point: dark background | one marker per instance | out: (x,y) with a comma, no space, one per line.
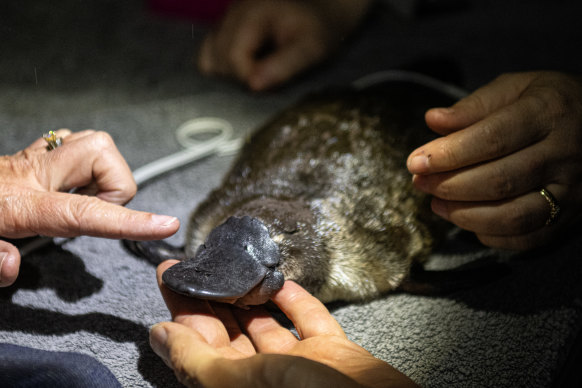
(116,66)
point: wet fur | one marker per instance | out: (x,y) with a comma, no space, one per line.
(328,179)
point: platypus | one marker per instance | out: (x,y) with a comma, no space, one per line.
(320,195)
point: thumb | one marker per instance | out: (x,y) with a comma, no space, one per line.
(501,92)
(9,263)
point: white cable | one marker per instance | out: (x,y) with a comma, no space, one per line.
(195,149)
(372,79)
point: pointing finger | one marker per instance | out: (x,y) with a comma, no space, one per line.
(69,215)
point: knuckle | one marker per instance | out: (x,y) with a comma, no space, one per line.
(501,186)
(494,139)
(476,103)
(553,104)
(8,222)
(127,190)
(76,215)
(86,132)
(447,155)
(177,361)
(101,140)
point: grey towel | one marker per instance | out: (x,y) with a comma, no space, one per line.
(89,295)
(111,66)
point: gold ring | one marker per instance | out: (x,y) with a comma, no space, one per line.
(52,140)
(554,207)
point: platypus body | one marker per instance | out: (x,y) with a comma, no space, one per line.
(320,195)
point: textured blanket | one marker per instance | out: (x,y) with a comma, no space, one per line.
(114,67)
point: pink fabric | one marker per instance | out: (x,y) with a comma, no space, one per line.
(199,10)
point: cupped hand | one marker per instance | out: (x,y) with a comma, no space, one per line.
(501,145)
(264,43)
(218,345)
(35,198)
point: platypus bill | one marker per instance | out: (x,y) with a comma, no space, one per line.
(319,195)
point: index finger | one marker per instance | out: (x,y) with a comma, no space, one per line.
(309,316)
(508,130)
(58,214)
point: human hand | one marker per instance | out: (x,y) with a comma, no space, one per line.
(501,145)
(219,345)
(264,43)
(34,198)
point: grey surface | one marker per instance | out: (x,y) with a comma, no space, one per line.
(112,66)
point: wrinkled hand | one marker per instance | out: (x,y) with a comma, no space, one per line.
(34,198)
(501,146)
(264,43)
(219,345)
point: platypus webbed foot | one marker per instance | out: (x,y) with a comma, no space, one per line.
(236,264)
(155,251)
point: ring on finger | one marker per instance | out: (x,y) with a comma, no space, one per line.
(52,140)
(554,207)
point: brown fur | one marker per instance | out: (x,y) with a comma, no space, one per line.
(328,179)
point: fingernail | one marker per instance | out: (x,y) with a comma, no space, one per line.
(2,258)
(439,208)
(158,339)
(6,261)
(418,164)
(163,220)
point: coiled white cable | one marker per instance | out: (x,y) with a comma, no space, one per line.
(187,136)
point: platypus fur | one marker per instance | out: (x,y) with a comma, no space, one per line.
(320,195)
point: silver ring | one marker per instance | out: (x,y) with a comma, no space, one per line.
(554,207)
(52,140)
